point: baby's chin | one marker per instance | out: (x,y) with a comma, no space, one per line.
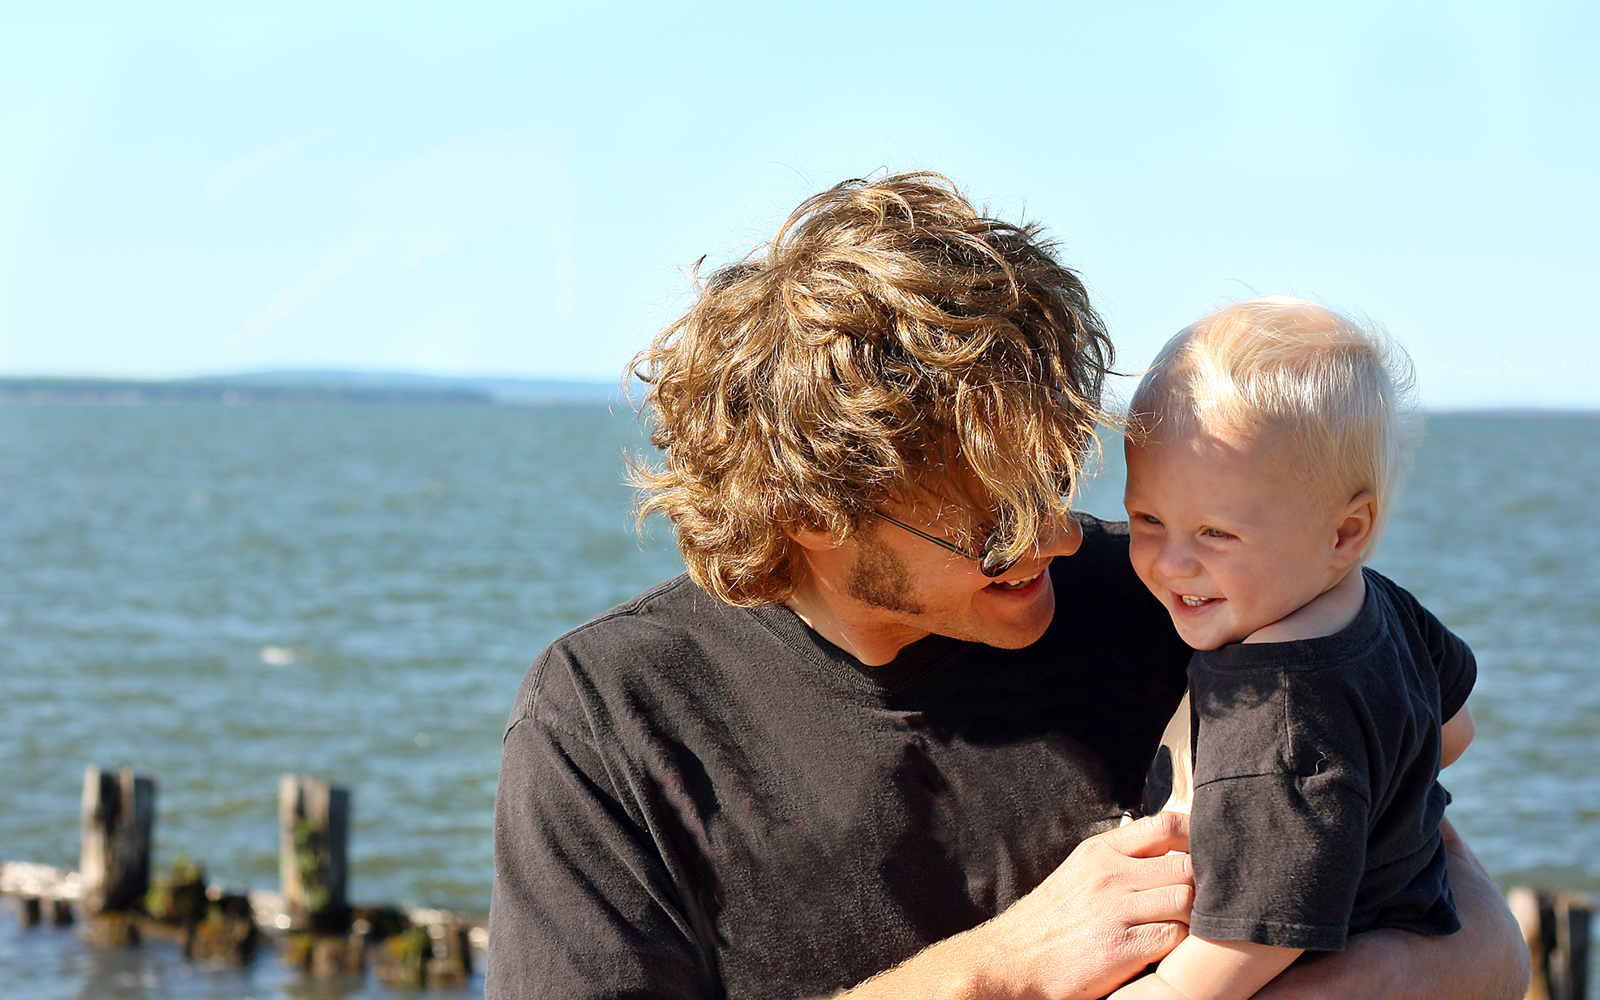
(1207,639)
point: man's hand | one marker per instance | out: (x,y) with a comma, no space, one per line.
(1118,903)
(1485,960)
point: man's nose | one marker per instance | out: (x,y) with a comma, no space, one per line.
(1064,540)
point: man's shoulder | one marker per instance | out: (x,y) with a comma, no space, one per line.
(1102,540)
(674,625)
(676,603)
(1104,615)
(1099,572)
(670,614)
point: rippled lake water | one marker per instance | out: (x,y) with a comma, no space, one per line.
(218,595)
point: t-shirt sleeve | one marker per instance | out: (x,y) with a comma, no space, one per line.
(1279,820)
(1452,658)
(1458,671)
(583,904)
(1282,855)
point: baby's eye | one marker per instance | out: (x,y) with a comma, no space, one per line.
(1215,533)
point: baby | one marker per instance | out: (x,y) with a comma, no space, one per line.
(1264,449)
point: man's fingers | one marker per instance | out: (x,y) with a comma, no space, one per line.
(1157,889)
(1152,836)
(1164,904)
(1169,869)
(1152,942)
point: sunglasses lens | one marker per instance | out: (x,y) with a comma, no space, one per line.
(994,569)
(990,561)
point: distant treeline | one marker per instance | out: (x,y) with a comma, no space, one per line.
(312,387)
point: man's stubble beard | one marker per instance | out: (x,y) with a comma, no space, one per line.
(879,578)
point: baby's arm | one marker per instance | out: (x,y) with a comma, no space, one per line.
(1199,969)
(1455,736)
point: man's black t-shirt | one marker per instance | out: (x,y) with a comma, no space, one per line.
(701,801)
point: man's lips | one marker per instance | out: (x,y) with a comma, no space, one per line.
(1021,584)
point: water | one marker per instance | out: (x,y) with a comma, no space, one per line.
(217,595)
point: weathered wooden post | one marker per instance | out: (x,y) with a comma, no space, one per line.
(1556,927)
(313,837)
(1570,970)
(403,959)
(39,885)
(1524,904)
(227,932)
(451,961)
(118,813)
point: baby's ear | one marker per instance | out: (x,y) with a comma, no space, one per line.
(1359,517)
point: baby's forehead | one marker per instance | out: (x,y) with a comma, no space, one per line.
(1276,458)
(1186,431)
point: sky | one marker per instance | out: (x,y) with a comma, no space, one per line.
(519,189)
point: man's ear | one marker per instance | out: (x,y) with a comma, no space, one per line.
(814,539)
(1354,531)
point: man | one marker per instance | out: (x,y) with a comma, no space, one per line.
(879,737)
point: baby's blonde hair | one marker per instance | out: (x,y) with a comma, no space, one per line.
(1341,391)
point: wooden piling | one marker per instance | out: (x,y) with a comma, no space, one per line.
(313,862)
(121,901)
(118,813)
(43,885)
(1556,928)
(227,933)
(402,959)
(451,961)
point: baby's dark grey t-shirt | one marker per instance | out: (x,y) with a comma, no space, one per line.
(1317,803)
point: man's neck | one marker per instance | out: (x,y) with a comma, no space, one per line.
(854,627)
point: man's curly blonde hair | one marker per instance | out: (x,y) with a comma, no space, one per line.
(889,341)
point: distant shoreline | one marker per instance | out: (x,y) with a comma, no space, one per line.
(328,388)
(1515,413)
(311,388)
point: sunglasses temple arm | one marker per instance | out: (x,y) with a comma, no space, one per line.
(924,535)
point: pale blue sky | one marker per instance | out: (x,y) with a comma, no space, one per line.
(513,189)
